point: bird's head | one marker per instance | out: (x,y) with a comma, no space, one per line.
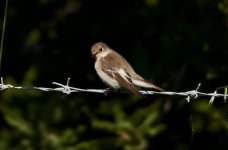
(99,49)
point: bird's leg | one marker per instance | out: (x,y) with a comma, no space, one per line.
(107,90)
(110,89)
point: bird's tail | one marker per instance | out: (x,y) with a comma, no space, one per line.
(146,84)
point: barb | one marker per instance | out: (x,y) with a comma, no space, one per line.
(66,89)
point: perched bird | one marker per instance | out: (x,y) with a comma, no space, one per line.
(116,72)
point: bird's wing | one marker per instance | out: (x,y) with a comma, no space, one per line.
(116,70)
(126,82)
(136,79)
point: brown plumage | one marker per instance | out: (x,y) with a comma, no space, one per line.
(115,71)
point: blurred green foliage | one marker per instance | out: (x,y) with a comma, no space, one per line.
(175,44)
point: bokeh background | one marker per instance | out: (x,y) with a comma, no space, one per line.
(174,44)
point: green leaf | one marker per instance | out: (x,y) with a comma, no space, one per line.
(14,118)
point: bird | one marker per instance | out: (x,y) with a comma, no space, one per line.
(116,72)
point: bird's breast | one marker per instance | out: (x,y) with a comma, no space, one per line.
(105,77)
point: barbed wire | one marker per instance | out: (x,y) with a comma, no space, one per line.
(66,89)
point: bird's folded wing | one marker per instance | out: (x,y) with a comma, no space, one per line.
(114,69)
(124,80)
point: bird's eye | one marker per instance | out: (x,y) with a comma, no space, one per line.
(100,49)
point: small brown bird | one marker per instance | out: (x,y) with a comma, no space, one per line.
(116,72)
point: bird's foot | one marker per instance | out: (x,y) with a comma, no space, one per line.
(107,90)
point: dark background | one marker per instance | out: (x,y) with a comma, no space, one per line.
(174,44)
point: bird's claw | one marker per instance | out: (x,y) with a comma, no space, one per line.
(107,90)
